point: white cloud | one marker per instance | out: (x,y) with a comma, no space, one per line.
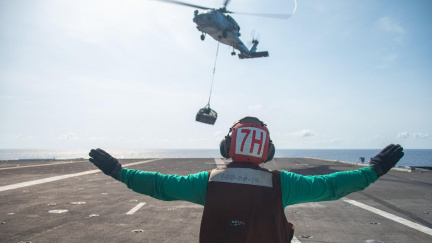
(254,107)
(68,136)
(420,135)
(22,137)
(388,60)
(304,133)
(413,135)
(403,135)
(335,140)
(390,25)
(394,30)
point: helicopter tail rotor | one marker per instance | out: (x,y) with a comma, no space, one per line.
(253,53)
(255,38)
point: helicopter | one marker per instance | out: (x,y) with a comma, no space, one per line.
(223,28)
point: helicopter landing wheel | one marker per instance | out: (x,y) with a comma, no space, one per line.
(202,37)
(233,53)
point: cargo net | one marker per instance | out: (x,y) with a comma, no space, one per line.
(206,115)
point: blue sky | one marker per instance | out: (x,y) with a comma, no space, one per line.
(133,74)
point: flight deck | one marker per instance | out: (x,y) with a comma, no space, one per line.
(72,201)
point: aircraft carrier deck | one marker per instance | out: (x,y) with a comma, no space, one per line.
(72,201)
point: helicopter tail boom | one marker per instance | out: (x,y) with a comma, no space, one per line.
(254,55)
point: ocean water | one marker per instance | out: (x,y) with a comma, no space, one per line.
(413,157)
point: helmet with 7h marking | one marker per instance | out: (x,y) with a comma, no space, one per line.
(248,140)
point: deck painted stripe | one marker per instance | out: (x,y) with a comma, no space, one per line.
(219,162)
(56,178)
(26,166)
(395,218)
(295,240)
(45,180)
(136,208)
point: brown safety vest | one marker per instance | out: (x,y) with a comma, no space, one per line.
(244,204)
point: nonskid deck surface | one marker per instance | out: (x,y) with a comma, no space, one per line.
(71,201)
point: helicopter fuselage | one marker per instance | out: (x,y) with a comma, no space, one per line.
(223,28)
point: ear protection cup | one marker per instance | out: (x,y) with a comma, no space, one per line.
(224,146)
(271,151)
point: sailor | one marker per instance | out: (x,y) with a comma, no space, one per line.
(242,201)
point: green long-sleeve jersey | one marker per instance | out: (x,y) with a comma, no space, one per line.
(295,188)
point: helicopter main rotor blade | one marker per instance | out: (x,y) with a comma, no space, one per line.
(275,16)
(185,4)
(226,3)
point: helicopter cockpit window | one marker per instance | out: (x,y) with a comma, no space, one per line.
(233,23)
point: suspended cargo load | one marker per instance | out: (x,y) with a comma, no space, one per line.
(206,115)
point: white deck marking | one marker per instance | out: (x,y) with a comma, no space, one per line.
(219,162)
(136,208)
(395,218)
(45,180)
(26,166)
(295,240)
(56,178)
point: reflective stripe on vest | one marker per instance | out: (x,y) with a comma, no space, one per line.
(242,176)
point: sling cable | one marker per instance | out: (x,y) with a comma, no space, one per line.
(207,115)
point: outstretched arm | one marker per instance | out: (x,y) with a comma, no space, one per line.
(299,189)
(191,188)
